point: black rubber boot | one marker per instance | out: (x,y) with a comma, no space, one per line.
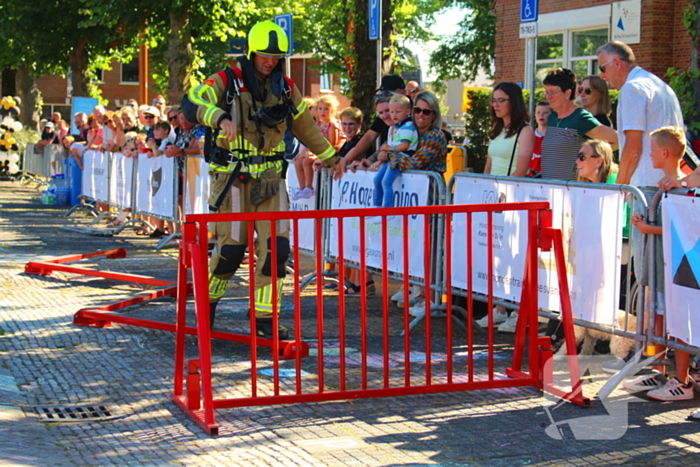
(263,328)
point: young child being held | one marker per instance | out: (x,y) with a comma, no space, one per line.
(667,149)
(326,107)
(402,143)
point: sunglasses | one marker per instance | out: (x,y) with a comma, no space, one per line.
(587,91)
(419,110)
(158,103)
(582,156)
(602,67)
(149,117)
(174,117)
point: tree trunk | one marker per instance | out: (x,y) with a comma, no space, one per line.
(179,53)
(79,69)
(9,86)
(363,79)
(30,108)
(387,34)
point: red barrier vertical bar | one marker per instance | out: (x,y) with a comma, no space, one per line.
(406,309)
(183,263)
(319,304)
(533,298)
(385,309)
(448,288)
(297,308)
(526,297)
(200,279)
(341,289)
(252,313)
(275,307)
(428,296)
(363,302)
(470,298)
(490,276)
(567,315)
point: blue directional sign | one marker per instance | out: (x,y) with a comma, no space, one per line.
(285,22)
(375,19)
(529,10)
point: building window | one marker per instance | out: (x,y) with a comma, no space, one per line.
(130,71)
(326,82)
(575,50)
(99,76)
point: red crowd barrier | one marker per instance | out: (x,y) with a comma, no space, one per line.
(325,376)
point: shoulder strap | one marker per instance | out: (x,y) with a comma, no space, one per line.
(515,145)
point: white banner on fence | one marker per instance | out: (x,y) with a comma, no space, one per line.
(591,224)
(121,177)
(155,186)
(354,191)
(196,186)
(307,233)
(681,239)
(95,175)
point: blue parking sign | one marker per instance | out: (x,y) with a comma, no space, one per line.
(375,19)
(529,10)
(285,22)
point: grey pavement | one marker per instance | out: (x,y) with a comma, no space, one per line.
(45,361)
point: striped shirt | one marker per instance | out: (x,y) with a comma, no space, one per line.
(563,142)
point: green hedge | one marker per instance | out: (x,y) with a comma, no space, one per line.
(478,123)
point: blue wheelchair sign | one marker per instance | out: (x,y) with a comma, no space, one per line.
(529,10)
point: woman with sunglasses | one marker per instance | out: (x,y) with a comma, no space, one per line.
(568,127)
(512,140)
(594,97)
(594,162)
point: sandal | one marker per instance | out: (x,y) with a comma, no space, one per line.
(352,289)
(157,234)
(370,287)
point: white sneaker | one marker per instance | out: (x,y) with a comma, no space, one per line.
(417,310)
(509,324)
(498,318)
(415,293)
(645,382)
(673,390)
(398,295)
(296,195)
(306,193)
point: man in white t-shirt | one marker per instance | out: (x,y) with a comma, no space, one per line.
(645,104)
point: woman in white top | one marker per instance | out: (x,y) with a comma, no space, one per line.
(509,129)
(510,151)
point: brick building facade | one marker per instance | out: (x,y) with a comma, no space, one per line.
(564,27)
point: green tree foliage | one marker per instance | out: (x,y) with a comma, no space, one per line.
(472,49)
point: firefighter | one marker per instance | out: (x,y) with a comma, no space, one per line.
(248,109)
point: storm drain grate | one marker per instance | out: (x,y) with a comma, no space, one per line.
(85,413)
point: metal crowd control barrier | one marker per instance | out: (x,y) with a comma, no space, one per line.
(349,193)
(690,270)
(37,168)
(524,187)
(327,375)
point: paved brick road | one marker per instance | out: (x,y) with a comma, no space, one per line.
(46,361)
